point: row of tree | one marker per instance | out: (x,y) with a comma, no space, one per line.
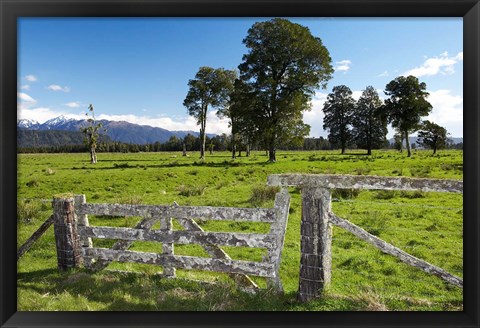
(266,98)
(363,123)
(221,142)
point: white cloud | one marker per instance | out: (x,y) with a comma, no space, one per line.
(385,73)
(442,64)
(356,94)
(56,87)
(73,104)
(25,87)
(187,123)
(343,65)
(447,111)
(31,78)
(315,116)
(25,98)
(43,114)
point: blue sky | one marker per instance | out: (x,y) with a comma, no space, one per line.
(137,69)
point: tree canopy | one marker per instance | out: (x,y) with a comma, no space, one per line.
(406,106)
(369,128)
(283,67)
(339,110)
(210,88)
(432,136)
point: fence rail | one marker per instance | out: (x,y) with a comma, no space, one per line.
(334,181)
(180,212)
(317,220)
(74,237)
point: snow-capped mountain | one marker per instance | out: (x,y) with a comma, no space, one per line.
(117,130)
(60,121)
(28,124)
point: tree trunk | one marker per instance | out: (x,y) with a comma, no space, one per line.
(434,149)
(407,144)
(248,150)
(93,156)
(369,151)
(184,153)
(234,151)
(272,153)
(343,150)
(203,135)
(202,145)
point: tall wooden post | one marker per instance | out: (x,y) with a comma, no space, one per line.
(278,228)
(168,248)
(69,252)
(82,220)
(316,243)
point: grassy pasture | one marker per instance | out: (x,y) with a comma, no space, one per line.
(426,225)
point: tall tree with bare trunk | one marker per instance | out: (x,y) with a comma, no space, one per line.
(211,88)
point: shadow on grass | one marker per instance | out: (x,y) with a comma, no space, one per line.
(112,291)
(125,165)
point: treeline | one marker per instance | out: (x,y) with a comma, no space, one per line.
(193,144)
(188,143)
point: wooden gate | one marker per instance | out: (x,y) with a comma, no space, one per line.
(317,220)
(74,237)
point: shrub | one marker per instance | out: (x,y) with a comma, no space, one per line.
(421,172)
(362,170)
(262,194)
(345,193)
(446,167)
(386,194)
(129,199)
(398,172)
(121,166)
(188,191)
(49,171)
(27,211)
(412,194)
(32,183)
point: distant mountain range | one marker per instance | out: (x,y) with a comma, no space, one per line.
(117,130)
(51,138)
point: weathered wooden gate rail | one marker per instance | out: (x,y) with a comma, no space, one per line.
(74,237)
(317,218)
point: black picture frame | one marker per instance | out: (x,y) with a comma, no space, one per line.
(10,10)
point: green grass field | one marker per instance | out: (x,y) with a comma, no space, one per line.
(426,225)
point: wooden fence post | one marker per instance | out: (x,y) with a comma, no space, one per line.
(69,252)
(316,243)
(82,220)
(278,228)
(167,248)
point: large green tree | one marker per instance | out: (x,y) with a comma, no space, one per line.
(339,109)
(432,136)
(406,106)
(369,128)
(284,66)
(238,118)
(210,89)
